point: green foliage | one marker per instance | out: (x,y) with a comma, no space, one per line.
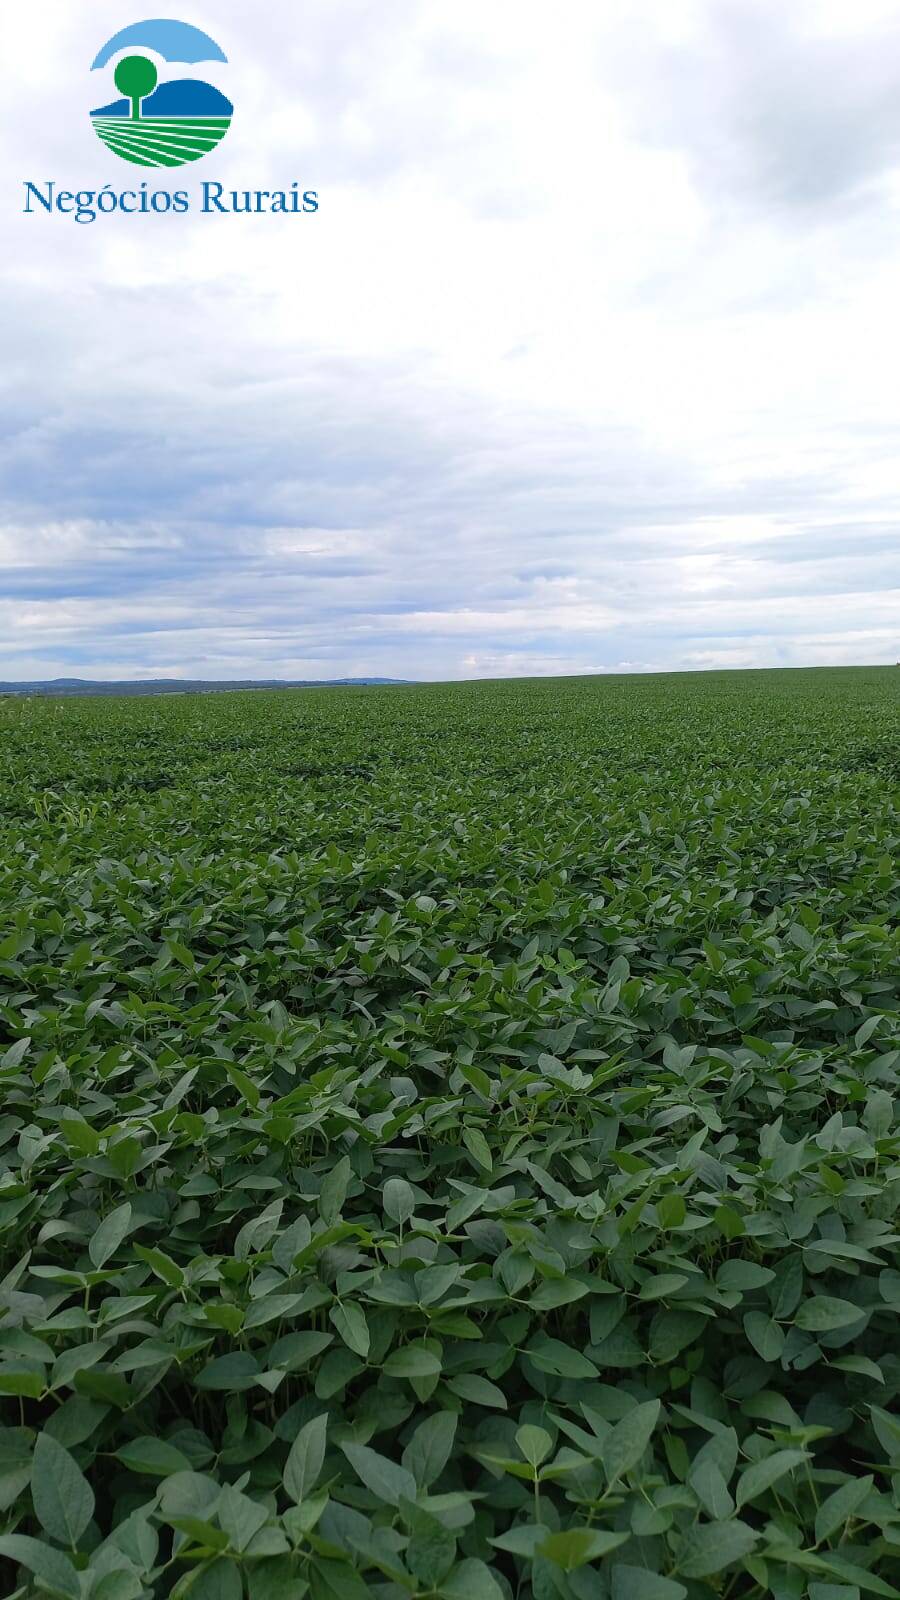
(135,77)
(448,1143)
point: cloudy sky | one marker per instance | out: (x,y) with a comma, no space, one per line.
(589,361)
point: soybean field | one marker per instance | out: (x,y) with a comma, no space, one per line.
(449,1142)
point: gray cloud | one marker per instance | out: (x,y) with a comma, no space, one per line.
(775,105)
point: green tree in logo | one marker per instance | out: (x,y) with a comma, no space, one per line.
(136,77)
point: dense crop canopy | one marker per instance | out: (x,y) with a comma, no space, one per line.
(448,1142)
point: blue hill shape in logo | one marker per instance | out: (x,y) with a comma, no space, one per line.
(182,97)
(161,124)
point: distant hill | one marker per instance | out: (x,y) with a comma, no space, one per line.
(182,97)
(89,686)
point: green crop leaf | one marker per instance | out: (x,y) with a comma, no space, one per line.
(765,1335)
(478,1147)
(840,1506)
(398,1200)
(152,1458)
(291,1243)
(110,1234)
(334,1191)
(52,1568)
(430,1448)
(625,1443)
(18,1379)
(637,1583)
(714,1546)
(534,1443)
(471,1580)
(63,1498)
(305,1459)
(671,1211)
(560,1360)
(163,1265)
(335,1580)
(824,1313)
(350,1321)
(386,1480)
(433,1283)
(290,1353)
(742,1276)
(220,1580)
(759,1477)
(709,1485)
(17,1052)
(887,1430)
(239,1370)
(860,1365)
(522,1540)
(554,1292)
(418,1360)
(79,1133)
(239,1517)
(275,1578)
(577,1546)
(244,1085)
(431,1551)
(202,1533)
(478,1391)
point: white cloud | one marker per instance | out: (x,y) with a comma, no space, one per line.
(588,358)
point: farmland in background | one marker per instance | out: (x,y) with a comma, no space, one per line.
(449,1142)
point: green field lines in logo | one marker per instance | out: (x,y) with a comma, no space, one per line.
(161,122)
(160,142)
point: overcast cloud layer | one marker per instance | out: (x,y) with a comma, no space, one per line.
(589,361)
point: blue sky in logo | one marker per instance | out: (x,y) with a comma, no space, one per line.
(174,41)
(588,362)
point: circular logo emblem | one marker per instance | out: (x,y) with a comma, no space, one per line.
(161,121)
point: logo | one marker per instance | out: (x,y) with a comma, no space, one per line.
(161,122)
